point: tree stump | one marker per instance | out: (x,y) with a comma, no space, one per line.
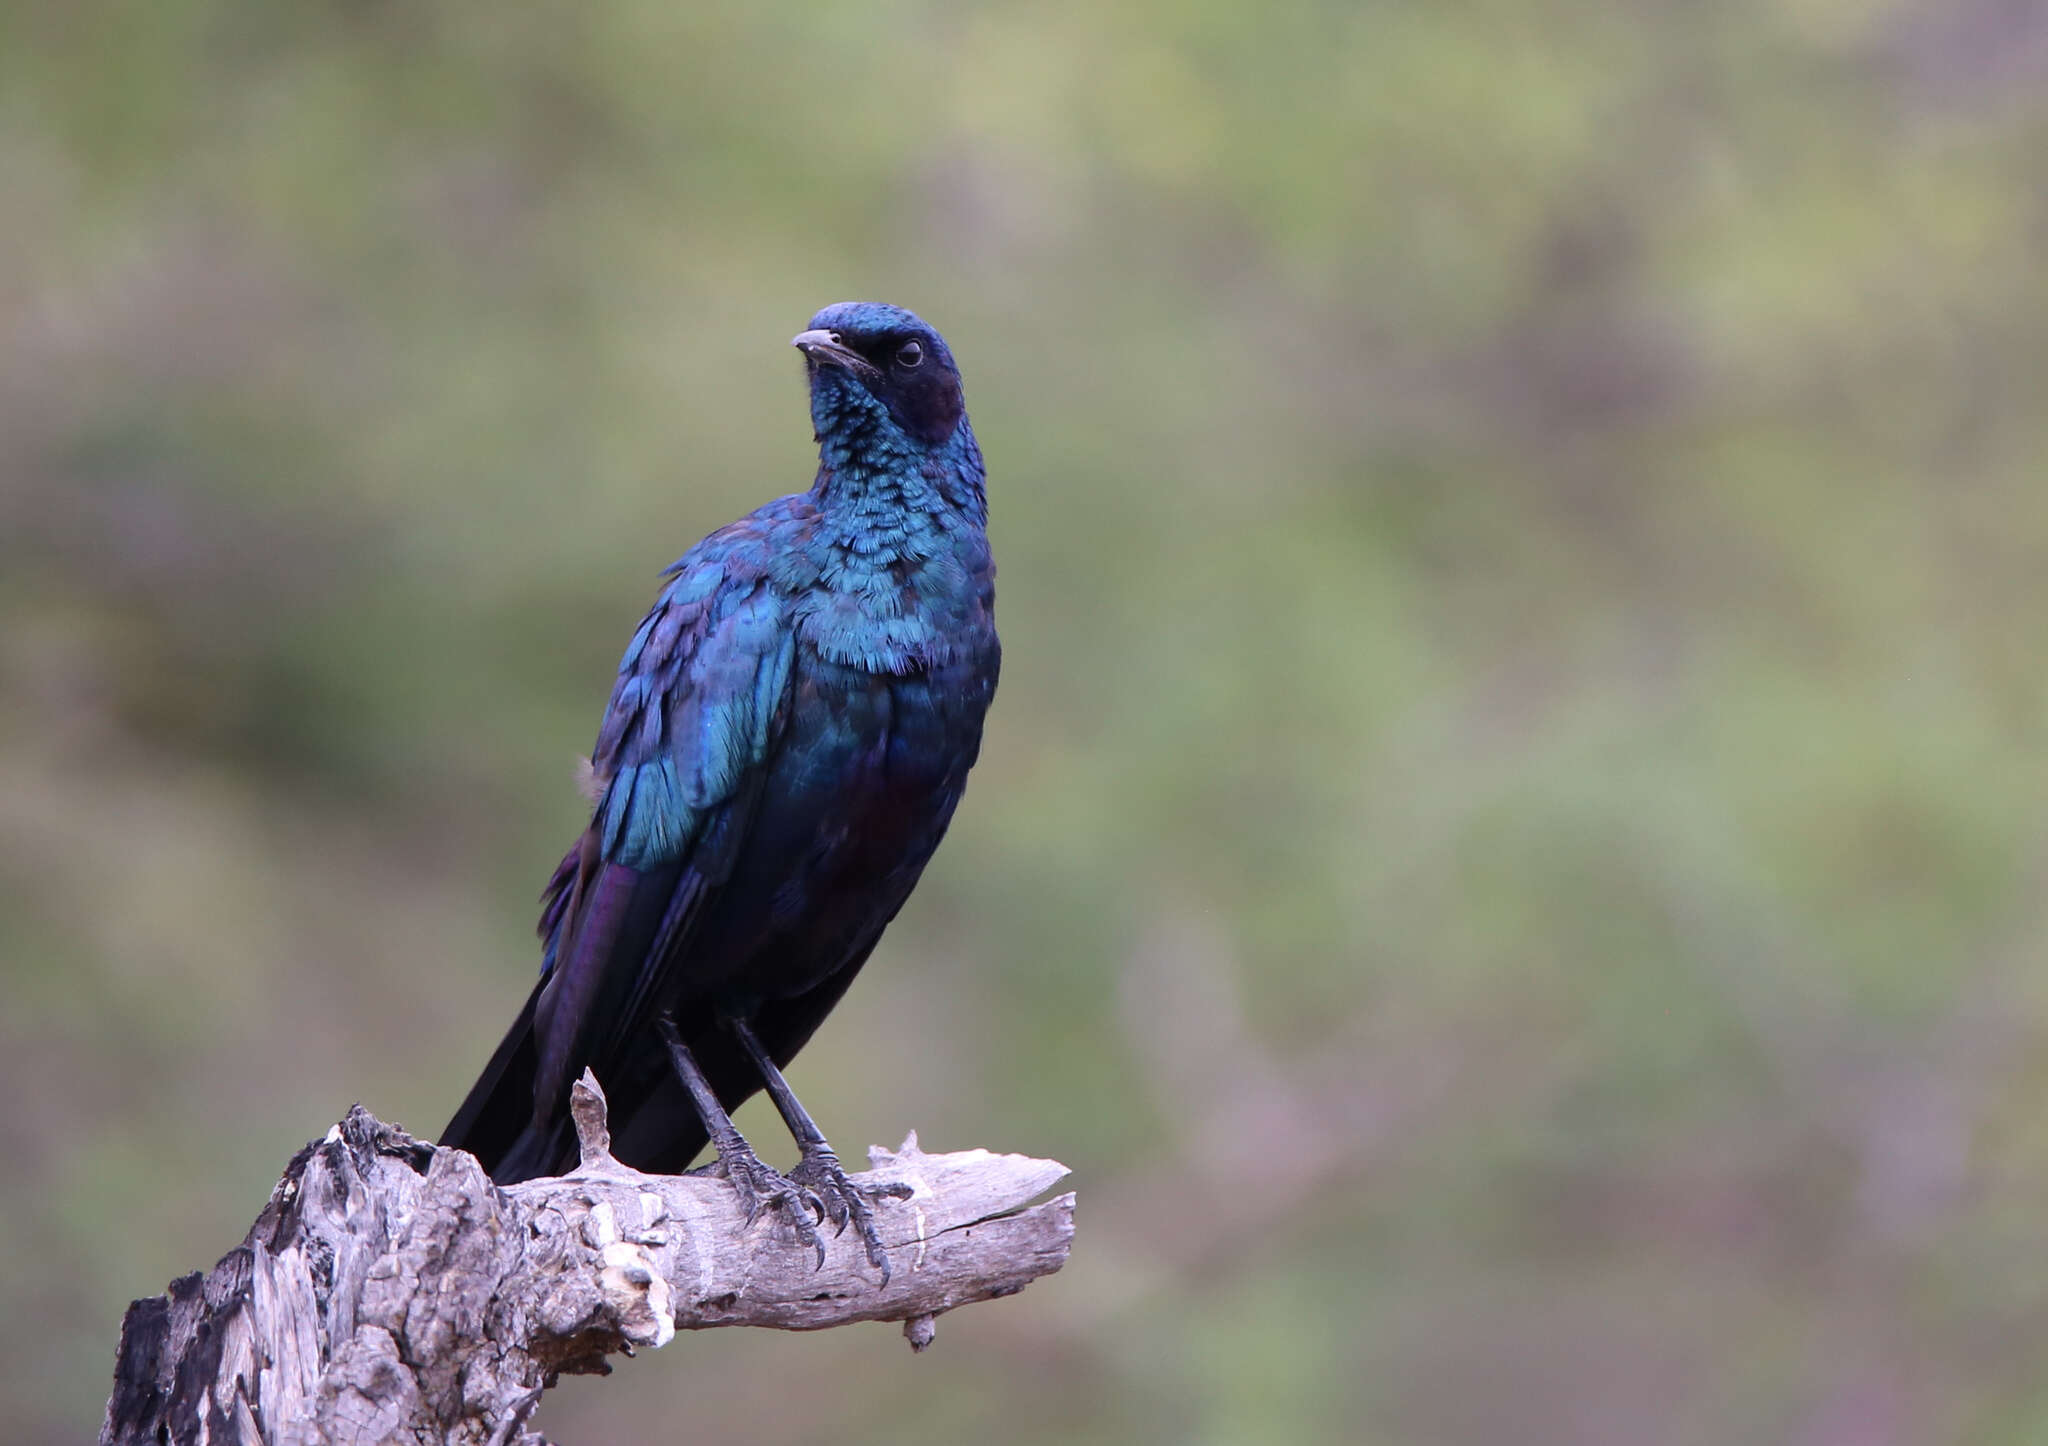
(390,1291)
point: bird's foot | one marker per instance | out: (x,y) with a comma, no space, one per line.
(825,1179)
(762,1187)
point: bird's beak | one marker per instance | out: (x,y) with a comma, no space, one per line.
(824,348)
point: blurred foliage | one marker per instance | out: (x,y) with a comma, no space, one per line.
(1510,853)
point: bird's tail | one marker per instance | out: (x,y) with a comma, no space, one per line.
(496,1122)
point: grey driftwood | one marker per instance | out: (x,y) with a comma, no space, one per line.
(390,1292)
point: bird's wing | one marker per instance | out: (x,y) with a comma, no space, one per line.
(679,761)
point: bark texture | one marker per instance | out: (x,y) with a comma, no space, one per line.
(389,1291)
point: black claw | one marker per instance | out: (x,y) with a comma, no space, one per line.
(760,1187)
(757,1185)
(846,1202)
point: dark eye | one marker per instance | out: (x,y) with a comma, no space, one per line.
(909,355)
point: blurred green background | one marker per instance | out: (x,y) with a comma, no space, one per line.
(1510,853)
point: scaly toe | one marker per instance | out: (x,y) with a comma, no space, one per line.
(761,1188)
(847,1203)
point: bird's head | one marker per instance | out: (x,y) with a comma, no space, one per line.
(880,376)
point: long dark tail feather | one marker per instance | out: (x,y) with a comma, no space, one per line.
(499,1109)
(538,1150)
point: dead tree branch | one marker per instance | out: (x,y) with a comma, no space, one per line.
(389,1291)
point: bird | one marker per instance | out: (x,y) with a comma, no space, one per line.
(788,738)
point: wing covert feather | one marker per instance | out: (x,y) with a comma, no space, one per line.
(692,721)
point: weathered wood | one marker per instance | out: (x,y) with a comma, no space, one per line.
(390,1291)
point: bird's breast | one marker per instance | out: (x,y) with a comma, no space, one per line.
(899,602)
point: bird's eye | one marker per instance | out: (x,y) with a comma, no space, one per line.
(909,355)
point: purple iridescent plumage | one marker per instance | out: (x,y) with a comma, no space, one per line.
(790,732)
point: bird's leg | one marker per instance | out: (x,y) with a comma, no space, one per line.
(758,1184)
(820,1169)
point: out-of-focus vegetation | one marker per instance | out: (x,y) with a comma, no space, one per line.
(1510,853)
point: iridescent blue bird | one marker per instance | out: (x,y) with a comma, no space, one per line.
(789,735)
